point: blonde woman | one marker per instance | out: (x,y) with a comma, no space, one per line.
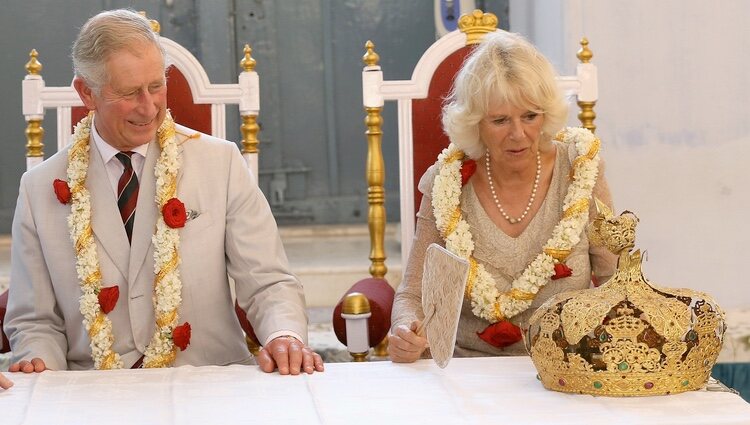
(522,218)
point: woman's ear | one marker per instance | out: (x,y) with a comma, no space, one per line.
(85,92)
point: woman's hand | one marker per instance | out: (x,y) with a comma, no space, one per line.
(404,345)
(5,383)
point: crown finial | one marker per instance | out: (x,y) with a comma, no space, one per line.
(247,62)
(616,233)
(476,24)
(155,26)
(370,58)
(584,53)
(33,66)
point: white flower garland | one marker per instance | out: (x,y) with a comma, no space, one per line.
(167,285)
(486,300)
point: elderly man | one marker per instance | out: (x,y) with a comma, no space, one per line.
(122,242)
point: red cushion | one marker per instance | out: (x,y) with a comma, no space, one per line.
(380,295)
(428,136)
(4,344)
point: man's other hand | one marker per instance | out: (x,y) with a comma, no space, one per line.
(290,356)
(35,365)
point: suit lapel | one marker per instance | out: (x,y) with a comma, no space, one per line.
(145,214)
(105,216)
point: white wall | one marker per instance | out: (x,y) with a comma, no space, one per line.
(673,118)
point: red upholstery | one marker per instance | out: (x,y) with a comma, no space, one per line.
(4,344)
(428,136)
(380,295)
(179,101)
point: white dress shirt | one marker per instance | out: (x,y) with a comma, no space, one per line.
(113,165)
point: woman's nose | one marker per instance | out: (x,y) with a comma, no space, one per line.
(516,130)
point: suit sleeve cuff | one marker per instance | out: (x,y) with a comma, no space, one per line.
(277,334)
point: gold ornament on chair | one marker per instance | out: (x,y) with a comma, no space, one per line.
(627,337)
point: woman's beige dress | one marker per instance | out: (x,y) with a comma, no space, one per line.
(503,257)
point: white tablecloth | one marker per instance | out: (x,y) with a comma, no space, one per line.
(482,390)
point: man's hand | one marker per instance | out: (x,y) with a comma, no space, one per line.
(5,383)
(290,356)
(404,345)
(35,365)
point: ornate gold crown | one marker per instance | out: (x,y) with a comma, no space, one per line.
(626,337)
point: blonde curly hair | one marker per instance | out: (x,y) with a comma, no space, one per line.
(504,68)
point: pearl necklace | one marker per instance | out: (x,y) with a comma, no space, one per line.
(505,215)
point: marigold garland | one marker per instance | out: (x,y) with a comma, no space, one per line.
(161,351)
(486,300)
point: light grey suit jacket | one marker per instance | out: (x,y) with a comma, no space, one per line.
(233,234)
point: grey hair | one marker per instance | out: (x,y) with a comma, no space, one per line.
(504,69)
(104,34)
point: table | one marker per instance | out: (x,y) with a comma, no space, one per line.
(479,390)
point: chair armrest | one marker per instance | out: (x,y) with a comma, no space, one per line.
(380,295)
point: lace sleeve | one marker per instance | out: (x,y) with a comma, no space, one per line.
(407,304)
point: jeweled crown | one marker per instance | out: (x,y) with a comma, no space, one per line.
(627,337)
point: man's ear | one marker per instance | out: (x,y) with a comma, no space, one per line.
(85,93)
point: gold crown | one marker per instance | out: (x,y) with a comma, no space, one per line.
(626,337)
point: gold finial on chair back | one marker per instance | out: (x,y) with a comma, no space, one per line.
(33,66)
(370,58)
(34,130)
(247,63)
(476,25)
(584,53)
(155,26)
(587,114)
(249,127)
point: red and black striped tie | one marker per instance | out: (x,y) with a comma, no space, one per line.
(127,193)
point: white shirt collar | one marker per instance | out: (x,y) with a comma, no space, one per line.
(107,151)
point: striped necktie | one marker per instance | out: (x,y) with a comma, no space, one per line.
(127,193)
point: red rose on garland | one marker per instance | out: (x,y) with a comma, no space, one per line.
(501,334)
(467,170)
(181,336)
(174,213)
(62,191)
(108,298)
(562,271)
